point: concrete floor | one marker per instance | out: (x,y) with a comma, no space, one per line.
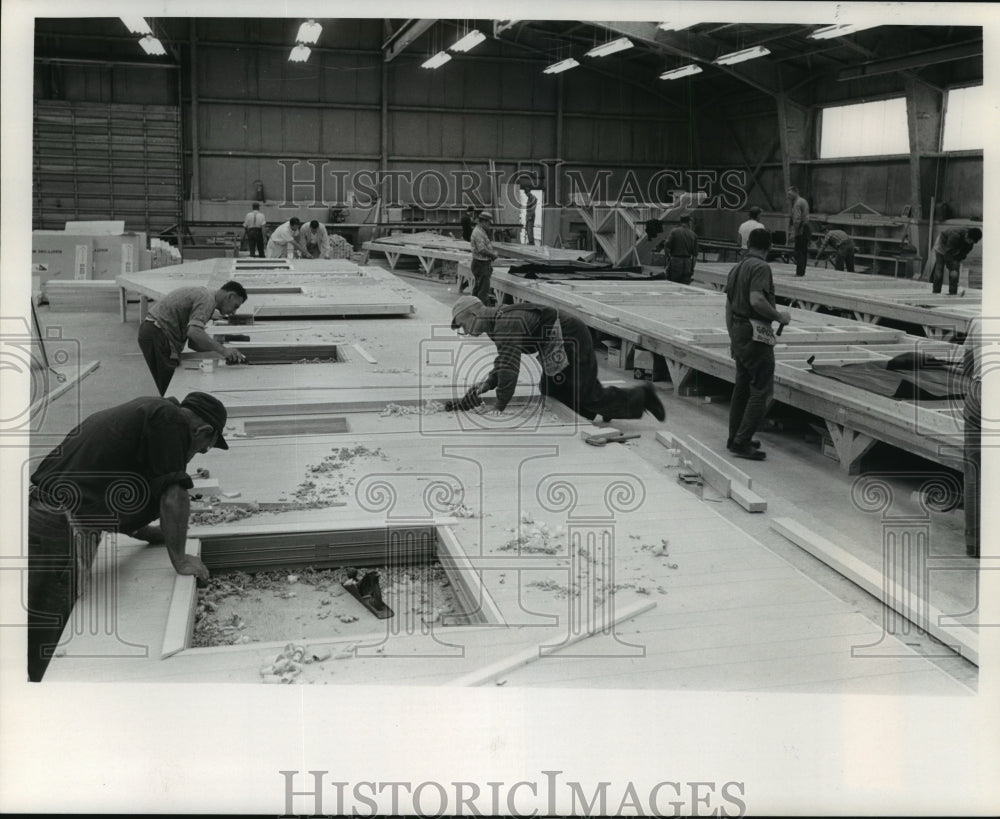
(797,480)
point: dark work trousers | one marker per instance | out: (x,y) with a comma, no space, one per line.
(255,239)
(680,269)
(156,350)
(529,227)
(52,583)
(754,383)
(801,252)
(972,463)
(937,274)
(482,272)
(844,258)
(578,386)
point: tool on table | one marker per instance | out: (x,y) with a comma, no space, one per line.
(368,593)
(610,438)
(470,400)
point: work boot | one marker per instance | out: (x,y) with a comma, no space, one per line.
(748,451)
(731,446)
(653,403)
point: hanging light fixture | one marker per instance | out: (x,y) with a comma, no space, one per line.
(309,33)
(152,46)
(683,71)
(611,47)
(674,26)
(299,54)
(837,30)
(742,56)
(469,41)
(437,60)
(563,65)
(137,25)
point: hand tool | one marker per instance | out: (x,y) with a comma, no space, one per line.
(601,440)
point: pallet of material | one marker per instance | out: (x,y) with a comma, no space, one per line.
(82,296)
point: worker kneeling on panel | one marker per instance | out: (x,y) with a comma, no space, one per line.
(118,471)
(566,352)
(179,318)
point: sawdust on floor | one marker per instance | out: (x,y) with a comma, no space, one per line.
(243,608)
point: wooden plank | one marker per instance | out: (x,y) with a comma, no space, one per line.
(747,498)
(180,615)
(540,650)
(887,591)
(71,376)
(332,424)
(466,580)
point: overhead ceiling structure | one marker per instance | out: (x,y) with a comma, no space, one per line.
(800,58)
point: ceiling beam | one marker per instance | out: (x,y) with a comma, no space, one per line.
(403,37)
(918,60)
(760,74)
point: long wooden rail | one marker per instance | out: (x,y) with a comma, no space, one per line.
(685,325)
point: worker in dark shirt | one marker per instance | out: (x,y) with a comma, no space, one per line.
(468,222)
(843,248)
(950,249)
(566,352)
(750,301)
(681,246)
(118,471)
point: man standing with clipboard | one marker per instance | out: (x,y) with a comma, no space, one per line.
(750,309)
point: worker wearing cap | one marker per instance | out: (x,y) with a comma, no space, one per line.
(530,203)
(566,353)
(682,247)
(285,241)
(483,255)
(118,471)
(950,250)
(843,247)
(179,318)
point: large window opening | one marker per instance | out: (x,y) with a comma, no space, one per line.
(865,129)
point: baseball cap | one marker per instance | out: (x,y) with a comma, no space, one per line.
(211,410)
(464,304)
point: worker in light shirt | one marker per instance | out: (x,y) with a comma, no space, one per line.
(285,240)
(254,226)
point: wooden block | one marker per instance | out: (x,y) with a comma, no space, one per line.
(708,456)
(747,498)
(206,487)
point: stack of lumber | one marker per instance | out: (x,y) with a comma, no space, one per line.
(83,296)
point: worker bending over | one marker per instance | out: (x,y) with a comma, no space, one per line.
(118,471)
(180,317)
(843,248)
(285,241)
(566,353)
(315,240)
(950,250)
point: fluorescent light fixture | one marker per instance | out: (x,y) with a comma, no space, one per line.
(741,56)
(152,46)
(674,26)
(137,25)
(309,33)
(469,41)
(299,54)
(683,71)
(612,47)
(837,30)
(564,65)
(437,60)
